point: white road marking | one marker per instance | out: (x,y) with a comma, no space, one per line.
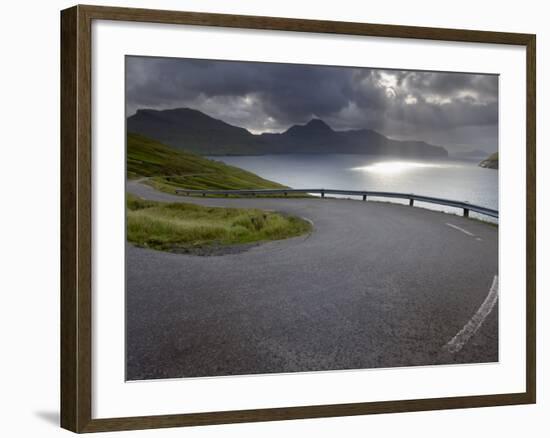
(460,229)
(464,335)
(308,220)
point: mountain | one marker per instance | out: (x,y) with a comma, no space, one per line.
(315,137)
(367,141)
(491,162)
(194,131)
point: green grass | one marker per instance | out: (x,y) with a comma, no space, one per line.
(168,169)
(491,162)
(181,226)
(185,227)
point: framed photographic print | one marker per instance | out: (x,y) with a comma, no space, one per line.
(268,218)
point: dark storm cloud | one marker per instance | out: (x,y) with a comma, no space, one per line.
(288,93)
(447,108)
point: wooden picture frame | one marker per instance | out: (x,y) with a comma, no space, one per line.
(76,217)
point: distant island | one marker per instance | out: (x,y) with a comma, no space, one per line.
(191,130)
(491,162)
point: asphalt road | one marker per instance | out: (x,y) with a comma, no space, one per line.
(374,285)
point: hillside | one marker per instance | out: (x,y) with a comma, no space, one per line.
(491,162)
(192,130)
(316,137)
(167,168)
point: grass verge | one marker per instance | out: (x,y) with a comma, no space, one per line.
(167,169)
(182,227)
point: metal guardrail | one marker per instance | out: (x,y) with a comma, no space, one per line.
(465,206)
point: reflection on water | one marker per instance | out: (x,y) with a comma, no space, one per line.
(451,179)
(389,167)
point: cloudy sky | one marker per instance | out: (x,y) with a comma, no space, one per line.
(455,110)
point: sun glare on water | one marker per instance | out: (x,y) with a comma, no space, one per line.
(391,167)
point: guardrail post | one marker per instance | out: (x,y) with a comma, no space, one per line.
(364,197)
(466,212)
(322,193)
(411,202)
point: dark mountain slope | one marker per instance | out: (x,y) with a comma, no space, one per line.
(197,132)
(194,131)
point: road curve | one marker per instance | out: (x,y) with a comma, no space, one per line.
(374,285)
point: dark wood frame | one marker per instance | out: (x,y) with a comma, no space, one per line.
(76,299)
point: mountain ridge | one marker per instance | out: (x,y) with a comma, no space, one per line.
(192,130)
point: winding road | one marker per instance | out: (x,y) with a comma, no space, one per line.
(374,285)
